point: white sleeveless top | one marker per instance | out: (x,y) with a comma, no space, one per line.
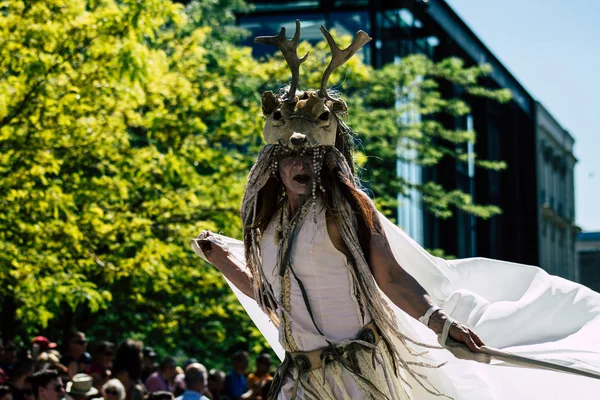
(327,280)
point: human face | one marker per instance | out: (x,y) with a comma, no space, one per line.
(54,390)
(106,359)
(10,351)
(263,366)
(296,172)
(78,344)
(216,384)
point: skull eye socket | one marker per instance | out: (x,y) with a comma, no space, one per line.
(324,116)
(277,115)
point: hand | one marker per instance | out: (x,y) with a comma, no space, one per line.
(212,246)
(464,334)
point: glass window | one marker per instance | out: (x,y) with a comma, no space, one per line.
(351,3)
(270,25)
(289,5)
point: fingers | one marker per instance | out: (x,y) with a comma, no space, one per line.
(205,244)
(468,337)
(476,339)
(204,234)
(468,340)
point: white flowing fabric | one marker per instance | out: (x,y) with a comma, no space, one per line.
(515,307)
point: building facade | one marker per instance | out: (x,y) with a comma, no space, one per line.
(588,259)
(556,190)
(505,132)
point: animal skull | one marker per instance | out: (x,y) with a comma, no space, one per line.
(310,118)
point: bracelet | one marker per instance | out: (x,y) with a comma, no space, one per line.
(425,318)
(446,330)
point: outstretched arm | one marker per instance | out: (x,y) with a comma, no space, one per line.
(405,292)
(401,288)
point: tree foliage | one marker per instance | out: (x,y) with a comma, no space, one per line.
(125,129)
(128,126)
(398,112)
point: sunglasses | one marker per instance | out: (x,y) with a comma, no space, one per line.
(111,392)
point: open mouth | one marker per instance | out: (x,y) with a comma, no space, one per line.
(302,179)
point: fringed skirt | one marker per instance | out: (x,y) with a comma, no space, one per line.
(335,381)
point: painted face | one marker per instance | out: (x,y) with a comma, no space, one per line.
(297,174)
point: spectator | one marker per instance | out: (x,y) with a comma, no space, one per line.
(235,381)
(73,356)
(179,383)
(113,389)
(127,368)
(149,365)
(41,344)
(3,376)
(195,382)
(22,370)
(9,358)
(47,385)
(216,384)
(160,395)
(163,378)
(81,387)
(258,379)
(5,393)
(99,370)
(51,360)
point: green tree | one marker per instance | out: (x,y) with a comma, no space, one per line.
(125,129)
(399,110)
(128,126)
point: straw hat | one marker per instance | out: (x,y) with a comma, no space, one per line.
(81,385)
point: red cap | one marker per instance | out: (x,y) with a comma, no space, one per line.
(43,342)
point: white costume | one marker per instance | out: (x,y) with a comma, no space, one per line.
(515,307)
(329,285)
(317,299)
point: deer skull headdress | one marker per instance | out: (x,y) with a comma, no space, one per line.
(309,118)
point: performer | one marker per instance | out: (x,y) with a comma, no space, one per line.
(318,255)
(318,260)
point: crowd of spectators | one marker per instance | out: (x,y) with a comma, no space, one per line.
(127,371)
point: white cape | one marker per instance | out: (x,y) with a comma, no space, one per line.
(514,307)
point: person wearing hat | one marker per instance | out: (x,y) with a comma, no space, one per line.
(81,387)
(42,343)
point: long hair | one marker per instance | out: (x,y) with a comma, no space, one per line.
(270,195)
(128,358)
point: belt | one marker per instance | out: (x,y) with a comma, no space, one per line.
(308,361)
(344,352)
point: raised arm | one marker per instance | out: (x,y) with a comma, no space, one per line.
(220,257)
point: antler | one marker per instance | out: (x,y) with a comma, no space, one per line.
(289,50)
(339,56)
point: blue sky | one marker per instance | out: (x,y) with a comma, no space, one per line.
(553,48)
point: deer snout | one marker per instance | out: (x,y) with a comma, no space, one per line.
(298,139)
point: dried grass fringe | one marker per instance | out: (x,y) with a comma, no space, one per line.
(378,307)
